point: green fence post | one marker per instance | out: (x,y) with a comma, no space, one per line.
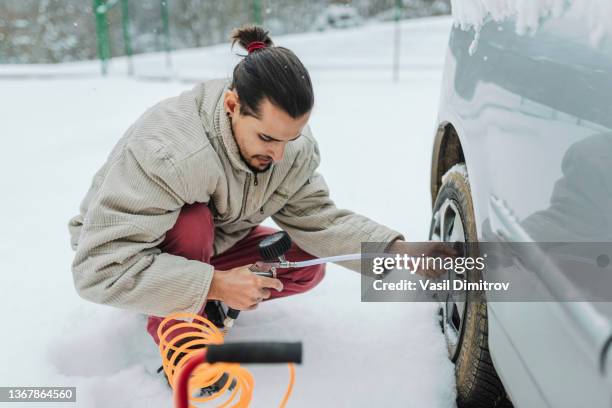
(127,37)
(257,12)
(164,15)
(397,37)
(99,10)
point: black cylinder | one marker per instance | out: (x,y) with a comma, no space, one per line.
(255,352)
(273,246)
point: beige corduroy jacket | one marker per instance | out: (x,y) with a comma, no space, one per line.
(180,151)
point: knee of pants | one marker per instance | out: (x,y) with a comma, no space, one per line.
(311,276)
(192,235)
(318,274)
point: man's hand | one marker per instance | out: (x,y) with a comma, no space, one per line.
(241,289)
(424,249)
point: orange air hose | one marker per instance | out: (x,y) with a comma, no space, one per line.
(203,332)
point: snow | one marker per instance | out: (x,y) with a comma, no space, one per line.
(473,13)
(375,137)
(529,14)
(458,168)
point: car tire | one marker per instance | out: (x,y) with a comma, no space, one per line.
(464,321)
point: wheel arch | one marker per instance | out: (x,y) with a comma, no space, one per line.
(447,151)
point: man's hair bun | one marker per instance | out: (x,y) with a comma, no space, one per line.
(269,72)
(249,34)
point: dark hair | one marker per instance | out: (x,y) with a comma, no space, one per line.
(272,72)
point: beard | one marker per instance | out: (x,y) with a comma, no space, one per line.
(253,168)
(244,159)
(257,169)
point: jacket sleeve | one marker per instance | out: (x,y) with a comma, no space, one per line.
(317,226)
(117,261)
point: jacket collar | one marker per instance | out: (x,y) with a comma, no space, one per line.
(223,127)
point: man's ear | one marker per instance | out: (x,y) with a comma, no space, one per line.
(231,102)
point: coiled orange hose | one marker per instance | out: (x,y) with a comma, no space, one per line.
(203,333)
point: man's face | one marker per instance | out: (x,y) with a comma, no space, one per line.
(262,140)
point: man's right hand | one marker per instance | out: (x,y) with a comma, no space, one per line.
(241,289)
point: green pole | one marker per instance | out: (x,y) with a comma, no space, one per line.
(397,37)
(257,12)
(164,15)
(127,38)
(99,10)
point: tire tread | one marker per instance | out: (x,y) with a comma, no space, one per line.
(478,384)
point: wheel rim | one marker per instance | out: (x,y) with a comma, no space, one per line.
(447,226)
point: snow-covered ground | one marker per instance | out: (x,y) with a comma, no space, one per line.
(375,137)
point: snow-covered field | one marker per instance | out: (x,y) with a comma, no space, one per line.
(375,137)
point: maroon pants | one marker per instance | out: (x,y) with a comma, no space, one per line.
(192,237)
